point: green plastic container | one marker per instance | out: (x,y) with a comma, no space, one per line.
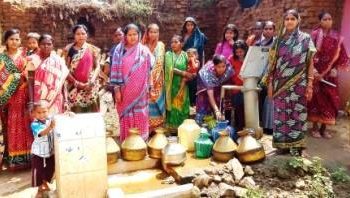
(203,145)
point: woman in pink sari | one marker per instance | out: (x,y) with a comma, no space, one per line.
(229,37)
(50,74)
(330,56)
(130,73)
(82,60)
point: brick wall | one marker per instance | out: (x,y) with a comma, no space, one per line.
(169,14)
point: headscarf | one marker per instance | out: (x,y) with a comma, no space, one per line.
(196,40)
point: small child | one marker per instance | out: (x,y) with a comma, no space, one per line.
(32,43)
(43,161)
(192,68)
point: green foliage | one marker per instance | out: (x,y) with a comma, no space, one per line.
(339,175)
(317,167)
(299,163)
(296,162)
(321,186)
(255,193)
(133,8)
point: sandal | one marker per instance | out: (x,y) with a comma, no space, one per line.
(315,134)
(326,135)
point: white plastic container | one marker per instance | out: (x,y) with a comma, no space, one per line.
(188,132)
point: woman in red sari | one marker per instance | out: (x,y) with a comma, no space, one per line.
(330,56)
(50,73)
(129,75)
(82,60)
(240,50)
(13,103)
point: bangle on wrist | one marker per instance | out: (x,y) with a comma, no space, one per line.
(310,77)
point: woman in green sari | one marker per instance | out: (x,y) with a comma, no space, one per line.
(177,108)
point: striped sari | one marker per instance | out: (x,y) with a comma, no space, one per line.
(50,75)
(130,70)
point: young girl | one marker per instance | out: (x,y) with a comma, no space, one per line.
(192,68)
(236,60)
(230,35)
(175,69)
(43,161)
(32,43)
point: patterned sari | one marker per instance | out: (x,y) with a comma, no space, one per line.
(323,107)
(14,112)
(83,64)
(50,75)
(207,80)
(130,70)
(175,114)
(157,92)
(289,88)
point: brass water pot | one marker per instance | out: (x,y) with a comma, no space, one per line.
(249,149)
(157,143)
(224,147)
(113,151)
(134,147)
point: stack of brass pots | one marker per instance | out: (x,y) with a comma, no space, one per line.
(224,147)
(249,149)
(113,151)
(157,143)
(134,147)
(173,153)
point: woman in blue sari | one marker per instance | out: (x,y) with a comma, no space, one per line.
(193,38)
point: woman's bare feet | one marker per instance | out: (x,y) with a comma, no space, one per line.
(315,133)
(325,134)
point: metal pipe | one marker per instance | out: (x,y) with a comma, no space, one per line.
(222,92)
(229,87)
(251,103)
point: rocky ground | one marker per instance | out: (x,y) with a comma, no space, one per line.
(277,176)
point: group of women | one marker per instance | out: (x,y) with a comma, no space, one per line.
(153,87)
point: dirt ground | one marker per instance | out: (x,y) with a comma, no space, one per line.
(335,152)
